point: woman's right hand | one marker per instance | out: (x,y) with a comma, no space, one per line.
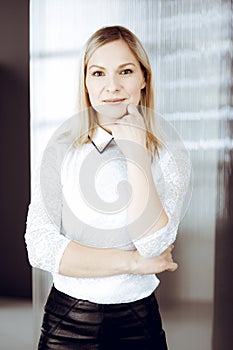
(163,262)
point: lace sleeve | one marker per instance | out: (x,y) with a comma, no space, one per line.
(45,243)
(172,186)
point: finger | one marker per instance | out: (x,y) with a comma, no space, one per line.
(172,267)
(127,119)
(132,109)
(168,250)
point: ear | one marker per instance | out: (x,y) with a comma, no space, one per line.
(143,83)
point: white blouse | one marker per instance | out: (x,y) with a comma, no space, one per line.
(81,194)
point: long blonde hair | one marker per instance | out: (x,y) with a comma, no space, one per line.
(87,116)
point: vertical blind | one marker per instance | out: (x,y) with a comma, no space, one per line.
(190,49)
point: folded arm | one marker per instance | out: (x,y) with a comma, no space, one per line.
(49,250)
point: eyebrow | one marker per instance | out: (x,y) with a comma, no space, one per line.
(120,66)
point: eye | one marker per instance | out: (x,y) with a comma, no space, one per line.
(126,71)
(98,74)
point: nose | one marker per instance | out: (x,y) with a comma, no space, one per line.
(113,83)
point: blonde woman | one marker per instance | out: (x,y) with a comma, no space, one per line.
(105,212)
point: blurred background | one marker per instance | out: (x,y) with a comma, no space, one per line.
(189,43)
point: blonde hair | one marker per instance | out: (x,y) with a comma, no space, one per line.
(87,115)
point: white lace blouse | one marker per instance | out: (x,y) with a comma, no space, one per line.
(78,197)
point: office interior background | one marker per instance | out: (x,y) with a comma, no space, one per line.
(189,43)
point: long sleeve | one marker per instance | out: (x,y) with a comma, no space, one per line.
(45,243)
(172,179)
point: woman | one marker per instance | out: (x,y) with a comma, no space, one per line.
(104,247)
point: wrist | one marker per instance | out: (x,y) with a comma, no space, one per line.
(141,158)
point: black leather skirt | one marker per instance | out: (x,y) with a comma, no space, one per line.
(78,324)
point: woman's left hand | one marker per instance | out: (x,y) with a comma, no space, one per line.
(129,132)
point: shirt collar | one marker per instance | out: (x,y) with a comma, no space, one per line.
(101,139)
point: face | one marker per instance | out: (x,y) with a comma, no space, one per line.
(114,79)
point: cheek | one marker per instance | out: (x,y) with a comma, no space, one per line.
(135,91)
(92,90)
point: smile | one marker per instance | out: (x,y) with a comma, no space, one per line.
(114,100)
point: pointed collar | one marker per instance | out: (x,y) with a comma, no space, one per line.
(101,139)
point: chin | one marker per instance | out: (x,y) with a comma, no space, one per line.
(111,110)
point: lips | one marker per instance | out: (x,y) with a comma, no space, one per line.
(114,100)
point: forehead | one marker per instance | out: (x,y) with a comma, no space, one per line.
(115,52)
